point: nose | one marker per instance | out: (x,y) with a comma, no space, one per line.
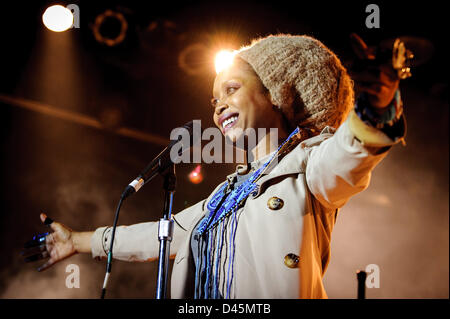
(220,108)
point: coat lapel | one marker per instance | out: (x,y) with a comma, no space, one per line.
(292,163)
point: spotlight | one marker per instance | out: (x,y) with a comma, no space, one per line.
(224,59)
(57,18)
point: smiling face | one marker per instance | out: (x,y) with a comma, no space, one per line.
(241,101)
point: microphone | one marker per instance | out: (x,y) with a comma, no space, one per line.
(163,160)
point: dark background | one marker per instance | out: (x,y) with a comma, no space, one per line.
(75,173)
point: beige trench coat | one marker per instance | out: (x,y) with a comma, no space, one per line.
(314,180)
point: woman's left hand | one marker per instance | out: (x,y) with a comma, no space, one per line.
(379,81)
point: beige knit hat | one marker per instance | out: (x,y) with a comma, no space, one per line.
(305,79)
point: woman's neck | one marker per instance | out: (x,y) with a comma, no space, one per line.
(266,145)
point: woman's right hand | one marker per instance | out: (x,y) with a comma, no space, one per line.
(58,246)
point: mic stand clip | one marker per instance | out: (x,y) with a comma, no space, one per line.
(165,232)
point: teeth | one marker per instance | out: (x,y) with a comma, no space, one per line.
(228,121)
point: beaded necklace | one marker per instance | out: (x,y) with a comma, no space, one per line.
(222,209)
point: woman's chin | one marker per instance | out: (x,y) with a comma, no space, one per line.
(230,138)
(237,138)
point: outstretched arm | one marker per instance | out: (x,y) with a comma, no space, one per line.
(341,166)
(139,242)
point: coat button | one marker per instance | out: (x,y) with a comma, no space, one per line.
(275,203)
(291,260)
(255,192)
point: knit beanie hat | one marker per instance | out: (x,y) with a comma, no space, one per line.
(305,79)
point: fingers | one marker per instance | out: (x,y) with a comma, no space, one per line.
(359,46)
(374,80)
(43,217)
(58,228)
(49,240)
(36,241)
(37,256)
(55,245)
(47,265)
(46,220)
(40,245)
(34,250)
(38,253)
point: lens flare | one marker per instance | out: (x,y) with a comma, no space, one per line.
(196,175)
(224,59)
(57,18)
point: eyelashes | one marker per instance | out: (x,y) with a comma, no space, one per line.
(214,102)
(229,89)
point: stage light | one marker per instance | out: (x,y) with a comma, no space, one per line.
(196,175)
(224,59)
(191,57)
(57,18)
(110,28)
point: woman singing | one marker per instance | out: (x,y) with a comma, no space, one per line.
(265,231)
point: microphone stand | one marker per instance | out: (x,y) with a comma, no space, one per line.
(361,277)
(165,232)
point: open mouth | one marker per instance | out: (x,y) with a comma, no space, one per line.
(229,121)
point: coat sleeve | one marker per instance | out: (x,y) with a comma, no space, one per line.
(139,242)
(341,165)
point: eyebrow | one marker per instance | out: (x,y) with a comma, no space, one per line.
(223,84)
